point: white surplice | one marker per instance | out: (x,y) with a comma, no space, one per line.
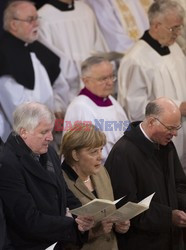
(12,94)
(74,35)
(145,75)
(112,120)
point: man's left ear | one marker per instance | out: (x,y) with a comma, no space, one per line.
(85,80)
(151,121)
(13,25)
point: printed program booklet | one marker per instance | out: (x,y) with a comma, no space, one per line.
(100,209)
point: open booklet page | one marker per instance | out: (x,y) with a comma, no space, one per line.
(51,247)
(131,209)
(100,209)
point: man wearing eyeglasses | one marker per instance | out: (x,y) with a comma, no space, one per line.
(29,71)
(156,66)
(145,161)
(95,103)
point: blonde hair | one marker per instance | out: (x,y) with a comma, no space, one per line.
(81,136)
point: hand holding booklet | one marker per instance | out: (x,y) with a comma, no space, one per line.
(100,209)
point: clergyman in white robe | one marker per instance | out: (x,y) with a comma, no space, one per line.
(111,119)
(12,94)
(145,75)
(73,34)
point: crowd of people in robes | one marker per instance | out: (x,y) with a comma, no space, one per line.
(120,66)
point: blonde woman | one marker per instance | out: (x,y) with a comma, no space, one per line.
(88,179)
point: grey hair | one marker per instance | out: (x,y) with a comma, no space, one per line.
(11,11)
(153,109)
(28,115)
(162,7)
(91,61)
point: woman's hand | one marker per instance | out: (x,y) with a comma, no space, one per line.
(107,226)
(85,223)
(122,227)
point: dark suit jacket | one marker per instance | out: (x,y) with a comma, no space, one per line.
(1,145)
(2,227)
(2,218)
(138,168)
(5,243)
(35,197)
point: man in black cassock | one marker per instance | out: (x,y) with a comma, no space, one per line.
(145,161)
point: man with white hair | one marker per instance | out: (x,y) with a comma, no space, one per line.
(34,194)
(28,70)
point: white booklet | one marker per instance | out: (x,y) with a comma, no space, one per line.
(51,247)
(131,209)
(100,209)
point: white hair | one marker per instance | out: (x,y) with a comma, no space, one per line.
(29,114)
(10,12)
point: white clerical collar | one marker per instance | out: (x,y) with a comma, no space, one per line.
(140,125)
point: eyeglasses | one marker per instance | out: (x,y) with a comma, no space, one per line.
(29,20)
(169,128)
(105,79)
(174,29)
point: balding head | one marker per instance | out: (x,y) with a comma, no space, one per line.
(160,106)
(162,120)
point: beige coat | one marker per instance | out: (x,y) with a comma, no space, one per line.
(103,189)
